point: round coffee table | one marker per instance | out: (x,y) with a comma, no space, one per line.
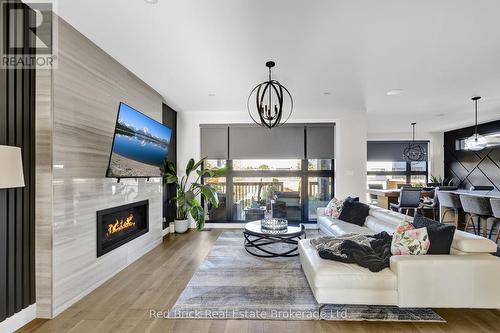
(257,241)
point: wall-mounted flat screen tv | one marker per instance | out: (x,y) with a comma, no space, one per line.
(140,145)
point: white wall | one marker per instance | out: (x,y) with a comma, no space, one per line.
(350,147)
(436,153)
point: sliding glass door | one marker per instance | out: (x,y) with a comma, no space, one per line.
(291,188)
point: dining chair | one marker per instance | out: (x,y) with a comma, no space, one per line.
(476,208)
(409,198)
(432,206)
(495,208)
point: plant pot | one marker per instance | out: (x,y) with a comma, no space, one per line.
(181,226)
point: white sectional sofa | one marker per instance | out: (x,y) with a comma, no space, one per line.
(467,278)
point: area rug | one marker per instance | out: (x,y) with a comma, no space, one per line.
(232,284)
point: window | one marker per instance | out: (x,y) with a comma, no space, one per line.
(266,164)
(389,175)
(286,172)
(319,191)
(319,165)
(492,139)
(253,197)
(219,213)
(414,173)
(386,170)
(260,188)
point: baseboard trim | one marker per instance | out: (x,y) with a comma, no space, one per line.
(165,232)
(19,319)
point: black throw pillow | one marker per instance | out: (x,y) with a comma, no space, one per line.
(351,198)
(354,212)
(440,234)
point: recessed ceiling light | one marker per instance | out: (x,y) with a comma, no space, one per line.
(211,94)
(394,92)
(151,2)
(327,93)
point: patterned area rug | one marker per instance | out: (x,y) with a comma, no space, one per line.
(232,284)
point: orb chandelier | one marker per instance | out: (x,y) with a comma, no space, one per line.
(414,152)
(273,102)
(475,142)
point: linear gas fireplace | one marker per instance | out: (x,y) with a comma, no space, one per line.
(119,225)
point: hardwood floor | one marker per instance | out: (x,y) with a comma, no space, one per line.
(155,281)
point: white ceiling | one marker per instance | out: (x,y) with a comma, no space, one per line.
(439,52)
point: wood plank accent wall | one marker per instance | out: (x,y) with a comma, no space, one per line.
(472,168)
(17,206)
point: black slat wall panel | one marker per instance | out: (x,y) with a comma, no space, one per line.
(472,168)
(17,206)
(170,120)
(3,195)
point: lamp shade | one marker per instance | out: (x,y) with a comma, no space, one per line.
(11,171)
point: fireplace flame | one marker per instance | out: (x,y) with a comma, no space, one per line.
(120,225)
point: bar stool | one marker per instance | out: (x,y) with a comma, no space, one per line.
(476,207)
(450,202)
(495,207)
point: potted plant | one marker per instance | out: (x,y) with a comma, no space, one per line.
(188,191)
(439,181)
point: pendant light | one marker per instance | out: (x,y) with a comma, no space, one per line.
(271,108)
(476,142)
(414,152)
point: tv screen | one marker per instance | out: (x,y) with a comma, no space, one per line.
(140,145)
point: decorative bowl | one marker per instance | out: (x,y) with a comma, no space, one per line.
(274,225)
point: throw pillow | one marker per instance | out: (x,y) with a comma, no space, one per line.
(354,212)
(334,208)
(440,234)
(351,198)
(407,240)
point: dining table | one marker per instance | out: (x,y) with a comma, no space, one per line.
(386,197)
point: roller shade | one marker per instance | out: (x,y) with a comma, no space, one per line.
(249,142)
(214,141)
(320,141)
(381,151)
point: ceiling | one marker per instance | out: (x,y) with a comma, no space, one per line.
(440,53)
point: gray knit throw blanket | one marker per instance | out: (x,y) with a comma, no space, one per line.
(332,243)
(372,251)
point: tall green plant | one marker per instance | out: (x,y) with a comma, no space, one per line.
(189,189)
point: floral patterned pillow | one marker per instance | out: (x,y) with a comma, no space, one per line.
(334,208)
(407,240)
